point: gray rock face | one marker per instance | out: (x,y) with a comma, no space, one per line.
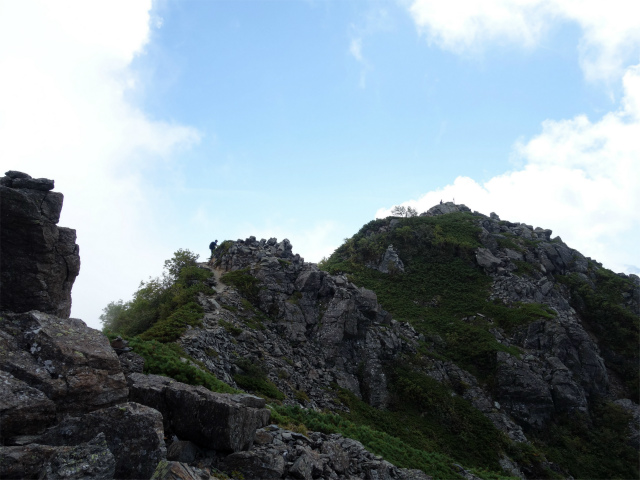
(72,364)
(133,433)
(23,410)
(634,425)
(179,471)
(444,208)
(390,262)
(321,328)
(91,459)
(561,367)
(212,420)
(39,261)
(451,374)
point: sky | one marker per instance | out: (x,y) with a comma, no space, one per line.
(168,124)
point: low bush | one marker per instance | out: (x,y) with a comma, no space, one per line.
(254,379)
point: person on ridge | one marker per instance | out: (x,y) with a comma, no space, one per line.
(212,246)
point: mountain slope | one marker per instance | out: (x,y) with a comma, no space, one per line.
(448,337)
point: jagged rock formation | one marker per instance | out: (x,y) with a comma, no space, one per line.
(562,366)
(39,261)
(389,263)
(323,329)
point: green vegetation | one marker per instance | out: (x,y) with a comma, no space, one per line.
(170,360)
(254,379)
(245,283)
(162,308)
(230,327)
(428,416)
(617,328)
(440,286)
(389,447)
(592,446)
(159,313)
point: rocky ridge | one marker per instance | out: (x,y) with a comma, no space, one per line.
(310,330)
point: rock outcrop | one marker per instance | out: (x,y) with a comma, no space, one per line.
(133,433)
(322,328)
(71,364)
(91,459)
(215,421)
(39,261)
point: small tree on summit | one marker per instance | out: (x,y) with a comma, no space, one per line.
(400,211)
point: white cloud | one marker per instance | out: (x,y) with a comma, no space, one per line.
(65,114)
(580,178)
(610,30)
(355,49)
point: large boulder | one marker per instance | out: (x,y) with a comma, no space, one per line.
(90,459)
(133,433)
(215,421)
(39,261)
(72,364)
(23,410)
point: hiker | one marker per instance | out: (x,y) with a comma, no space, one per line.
(212,246)
(440,201)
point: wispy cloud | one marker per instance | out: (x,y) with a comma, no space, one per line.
(355,49)
(374,21)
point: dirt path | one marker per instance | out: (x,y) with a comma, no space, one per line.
(217,274)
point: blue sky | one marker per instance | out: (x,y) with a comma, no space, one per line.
(169,124)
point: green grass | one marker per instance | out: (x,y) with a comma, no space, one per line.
(246,284)
(162,308)
(593,447)
(230,327)
(172,327)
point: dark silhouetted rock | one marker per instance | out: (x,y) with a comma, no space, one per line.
(216,421)
(131,363)
(133,433)
(91,459)
(23,410)
(182,451)
(38,260)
